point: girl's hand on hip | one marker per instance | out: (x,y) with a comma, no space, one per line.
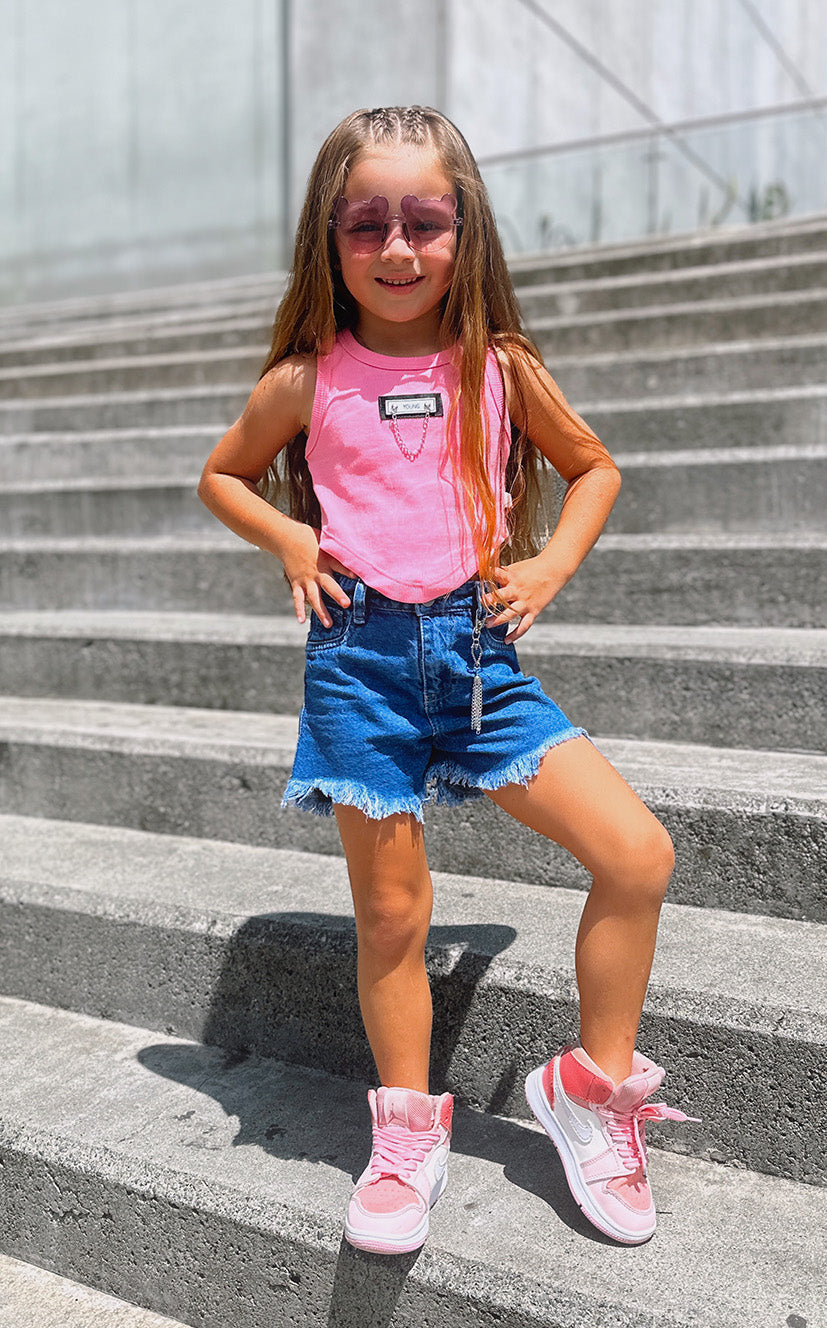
(527,588)
(308,570)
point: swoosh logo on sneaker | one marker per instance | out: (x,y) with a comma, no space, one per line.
(440,1164)
(582,1130)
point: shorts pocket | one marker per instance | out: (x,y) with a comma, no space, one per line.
(320,637)
(494,637)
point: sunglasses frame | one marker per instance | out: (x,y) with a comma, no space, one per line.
(335,222)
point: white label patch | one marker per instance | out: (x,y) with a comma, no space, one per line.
(418,406)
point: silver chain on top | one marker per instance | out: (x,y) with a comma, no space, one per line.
(403,448)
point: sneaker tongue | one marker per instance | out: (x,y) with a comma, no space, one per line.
(634,1090)
(646,1076)
(404,1106)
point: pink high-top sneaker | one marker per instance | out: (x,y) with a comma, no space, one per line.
(407,1172)
(598,1128)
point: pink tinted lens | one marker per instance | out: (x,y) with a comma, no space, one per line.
(362,225)
(429,221)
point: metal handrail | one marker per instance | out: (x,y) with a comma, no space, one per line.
(658,127)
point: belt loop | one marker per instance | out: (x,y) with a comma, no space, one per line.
(359,602)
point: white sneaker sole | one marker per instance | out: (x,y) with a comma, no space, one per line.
(539,1103)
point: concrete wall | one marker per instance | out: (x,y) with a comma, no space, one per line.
(151,140)
(140,139)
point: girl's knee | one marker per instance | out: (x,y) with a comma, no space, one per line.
(646,862)
(395,919)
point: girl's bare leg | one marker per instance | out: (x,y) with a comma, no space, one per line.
(392,900)
(579,800)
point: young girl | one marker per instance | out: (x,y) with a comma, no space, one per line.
(397,370)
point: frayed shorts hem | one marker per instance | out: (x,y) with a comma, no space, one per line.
(448,785)
(458,784)
(319,796)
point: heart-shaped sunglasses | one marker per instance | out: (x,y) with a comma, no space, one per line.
(427,223)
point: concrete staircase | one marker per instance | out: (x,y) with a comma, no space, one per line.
(183,1109)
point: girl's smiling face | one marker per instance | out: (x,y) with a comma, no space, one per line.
(398,290)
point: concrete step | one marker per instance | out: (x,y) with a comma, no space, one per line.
(98,506)
(239,1171)
(191,368)
(785,241)
(679,326)
(245,327)
(218,573)
(736,264)
(775,488)
(777,239)
(174,935)
(198,359)
(778,417)
(213,407)
(31,1297)
(786,417)
(695,372)
(670,300)
(155,302)
(764,686)
(222,324)
(107,453)
(750,827)
(667,253)
(639,290)
(589,382)
(734,579)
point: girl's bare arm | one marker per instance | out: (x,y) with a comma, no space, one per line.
(279,407)
(593,485)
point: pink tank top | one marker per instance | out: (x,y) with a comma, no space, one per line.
(392,507)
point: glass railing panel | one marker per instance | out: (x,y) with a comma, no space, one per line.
(756,168)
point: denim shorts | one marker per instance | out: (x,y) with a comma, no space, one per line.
(386,723)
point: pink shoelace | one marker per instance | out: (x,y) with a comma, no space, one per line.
(398,1151)
(628,1131)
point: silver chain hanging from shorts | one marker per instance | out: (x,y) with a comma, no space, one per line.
(476,660)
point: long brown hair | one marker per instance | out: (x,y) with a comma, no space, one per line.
(479,311)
